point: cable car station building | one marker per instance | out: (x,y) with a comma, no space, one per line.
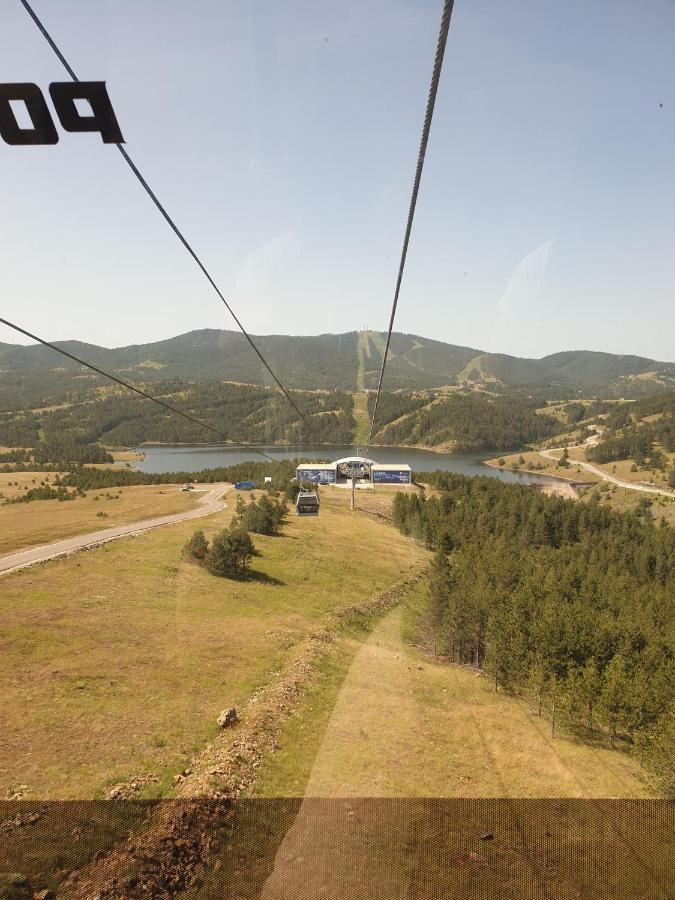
(366,471)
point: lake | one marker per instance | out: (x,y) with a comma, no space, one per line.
(192,458)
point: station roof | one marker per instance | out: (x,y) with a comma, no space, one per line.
(392,467)
(363,460)
(311,465)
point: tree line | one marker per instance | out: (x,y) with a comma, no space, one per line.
(394,404)
(72,434)
(243,412)
(84,478)
(569,604)
(472,422)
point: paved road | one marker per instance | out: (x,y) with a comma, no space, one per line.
(209,503)
(631,486)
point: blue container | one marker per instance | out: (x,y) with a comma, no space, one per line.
(245,485)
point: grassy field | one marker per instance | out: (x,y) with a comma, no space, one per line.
(418,780)
(534,462)
(402,725)
(624,500)
(42,521)
(13,483)
(117,662)
(622,469)
(370,848)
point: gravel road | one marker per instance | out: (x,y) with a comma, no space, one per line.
(208,504)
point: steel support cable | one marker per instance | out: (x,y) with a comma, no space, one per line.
(431,101)
(136,390)
(179,234)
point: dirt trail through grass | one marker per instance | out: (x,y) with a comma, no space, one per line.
(406,726)
(397,803)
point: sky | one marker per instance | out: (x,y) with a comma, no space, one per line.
(282,137)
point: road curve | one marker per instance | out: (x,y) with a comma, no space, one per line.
(605,476)
(208,504)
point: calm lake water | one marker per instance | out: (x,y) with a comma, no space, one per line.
(192,458)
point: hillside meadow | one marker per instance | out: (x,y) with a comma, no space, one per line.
(117,661)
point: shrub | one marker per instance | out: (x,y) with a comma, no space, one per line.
(292,490)
(230,552)
(197,546)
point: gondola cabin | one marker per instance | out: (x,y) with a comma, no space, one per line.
(307,503)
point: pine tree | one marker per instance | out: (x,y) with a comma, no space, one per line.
(230,552)
(611,703)
(440,584)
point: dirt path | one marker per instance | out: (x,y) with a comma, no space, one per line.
(393,806)
(631,486)
(208,504)
(406,726)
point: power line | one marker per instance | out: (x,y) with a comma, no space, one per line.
(179,234)
(136,390)
(431,100)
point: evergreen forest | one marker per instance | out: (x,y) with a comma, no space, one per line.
(569,605)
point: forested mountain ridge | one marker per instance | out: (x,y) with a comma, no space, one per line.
(315,362)
(331,361)
(460,421)
(73,432)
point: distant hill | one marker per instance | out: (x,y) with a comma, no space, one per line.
(331,361)
(326,361)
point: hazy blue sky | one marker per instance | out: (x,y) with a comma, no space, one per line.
(282,136)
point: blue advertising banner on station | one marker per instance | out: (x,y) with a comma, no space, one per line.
(402,476)
(318,476)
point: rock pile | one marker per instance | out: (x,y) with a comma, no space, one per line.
(126,789)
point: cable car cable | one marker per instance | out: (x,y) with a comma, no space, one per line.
(431,100)
(136,390)
(179,234)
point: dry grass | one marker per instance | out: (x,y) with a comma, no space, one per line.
(42,521)
(624,500)
(534,462)
(405,726)
(117,661)
(622,469)
(13,483)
